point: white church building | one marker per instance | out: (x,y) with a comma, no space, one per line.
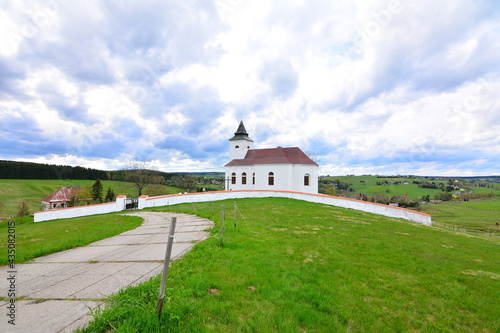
(280,169)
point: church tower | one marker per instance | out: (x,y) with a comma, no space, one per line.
(240,143)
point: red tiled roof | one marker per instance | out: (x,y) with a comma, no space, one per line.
(62,194)
(292,155)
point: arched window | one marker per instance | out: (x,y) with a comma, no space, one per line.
(233,178)
(237,146)
(253,179)
(271,179)
(244,178)
(306,179)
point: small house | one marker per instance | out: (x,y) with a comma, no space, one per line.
(60,198)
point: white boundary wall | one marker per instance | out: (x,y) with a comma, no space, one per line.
(370,207)
(145,202)
(64,213)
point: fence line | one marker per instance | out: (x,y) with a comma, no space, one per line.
(463,229)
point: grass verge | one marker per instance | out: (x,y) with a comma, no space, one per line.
(42,238)
(293,266)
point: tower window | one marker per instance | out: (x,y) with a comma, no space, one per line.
(244,178)
(237,146)
(306,179)
(253,179)
(233,178)
(271,179)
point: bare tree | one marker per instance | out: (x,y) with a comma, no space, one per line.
(141,174)
(312,156)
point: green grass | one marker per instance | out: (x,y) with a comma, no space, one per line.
(13,191)
(368,186)
(42,238)
(477,214)
(316,268)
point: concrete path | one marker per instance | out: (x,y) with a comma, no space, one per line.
(61,288)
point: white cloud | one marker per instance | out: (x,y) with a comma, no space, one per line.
(369,86)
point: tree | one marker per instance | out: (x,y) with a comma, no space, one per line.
(185,182)
(330,190)
(23,209)
(110,195)
(142,174)
(97,189)
(312,156)
(444,196)
(73,200)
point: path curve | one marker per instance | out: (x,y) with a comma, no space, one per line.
(61,287)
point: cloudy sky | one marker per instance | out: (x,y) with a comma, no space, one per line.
(387,87)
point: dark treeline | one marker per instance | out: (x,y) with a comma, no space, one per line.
(29,170)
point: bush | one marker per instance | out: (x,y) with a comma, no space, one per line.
(444,196)
(23,209)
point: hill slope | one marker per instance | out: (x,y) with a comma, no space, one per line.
(292,266)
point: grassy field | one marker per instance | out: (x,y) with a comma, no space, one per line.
(368,186)
(13,191)
(42,238)
(293,266)
(478,214)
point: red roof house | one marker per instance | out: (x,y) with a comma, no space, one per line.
(60,198)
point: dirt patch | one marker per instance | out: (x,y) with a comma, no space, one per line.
(298,232)
(482,273)
(310,256)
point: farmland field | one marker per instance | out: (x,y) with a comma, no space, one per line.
(367,185)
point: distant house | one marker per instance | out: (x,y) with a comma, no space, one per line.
(60,198)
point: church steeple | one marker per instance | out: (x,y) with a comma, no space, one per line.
(241,133)
(240,143)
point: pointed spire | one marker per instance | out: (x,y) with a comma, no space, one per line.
(241,133)
(241,129)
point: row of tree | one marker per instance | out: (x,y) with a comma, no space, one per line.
(29,170)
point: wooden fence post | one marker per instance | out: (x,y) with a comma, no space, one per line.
(222,213)
(166,265)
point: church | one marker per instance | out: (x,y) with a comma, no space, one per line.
(279,169)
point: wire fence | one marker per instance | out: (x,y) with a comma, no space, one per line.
(478,233)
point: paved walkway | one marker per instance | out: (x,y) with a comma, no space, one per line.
(61,287)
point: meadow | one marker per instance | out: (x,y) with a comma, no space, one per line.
(478,215)
(293,266)
(367,185)
(13,191)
